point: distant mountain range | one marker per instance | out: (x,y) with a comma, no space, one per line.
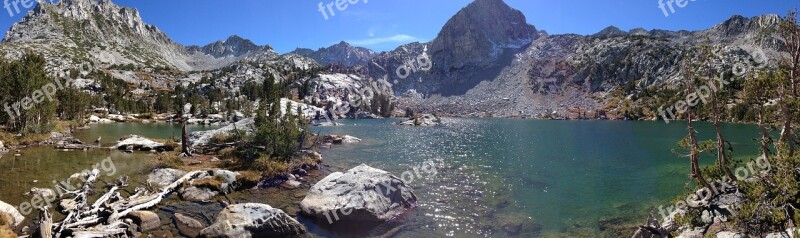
(486,58)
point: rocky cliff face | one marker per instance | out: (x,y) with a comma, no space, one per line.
(341,53)
(72,33)
(75,32)
(481,32)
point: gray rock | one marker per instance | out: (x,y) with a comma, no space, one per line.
(208,185)
(364,193)
(253,220)
(291,184)
(146,220)
(187,226)
(141,144)
(729,234)
(67,204)
(788,233)
(13,216)
(691,233)
(199,138)
(163,177)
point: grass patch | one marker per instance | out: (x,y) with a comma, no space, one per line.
(214,183)
(249,178)
(270,167)
(167,160)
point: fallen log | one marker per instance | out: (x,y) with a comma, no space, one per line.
(103,218)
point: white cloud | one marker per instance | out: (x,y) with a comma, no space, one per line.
(377,41)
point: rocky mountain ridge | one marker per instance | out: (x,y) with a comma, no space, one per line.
(342,53)
(486,60)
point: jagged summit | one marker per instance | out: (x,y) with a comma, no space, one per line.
(341,53)
(483,28)
(611,31)
(234,46)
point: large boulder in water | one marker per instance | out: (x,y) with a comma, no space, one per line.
(362,194)
(11,215)
(134,142)
(253,220)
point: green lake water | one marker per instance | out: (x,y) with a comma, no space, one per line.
(571,178)
(39,166)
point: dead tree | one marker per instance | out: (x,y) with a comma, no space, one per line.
(185,148)
(103,218)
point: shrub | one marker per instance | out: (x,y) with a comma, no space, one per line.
(269,167)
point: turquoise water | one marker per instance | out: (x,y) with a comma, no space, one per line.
(557,178)
(570,178)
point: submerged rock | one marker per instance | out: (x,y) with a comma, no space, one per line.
(146,220)
(253,220)
(364,194)
(188,226)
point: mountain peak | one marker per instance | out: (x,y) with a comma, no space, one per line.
(483,28)
(340,53)
(233,46)
(737,25)
(611,31)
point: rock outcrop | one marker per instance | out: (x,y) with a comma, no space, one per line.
(201,138)
(253,220)
(363,194)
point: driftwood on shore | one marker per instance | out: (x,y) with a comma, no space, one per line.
(103,218)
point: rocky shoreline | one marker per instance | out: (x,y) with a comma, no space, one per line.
(252,219)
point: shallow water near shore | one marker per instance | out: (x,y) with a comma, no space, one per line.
(39,166)
(567,178)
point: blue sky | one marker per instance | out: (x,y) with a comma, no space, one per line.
(383,24)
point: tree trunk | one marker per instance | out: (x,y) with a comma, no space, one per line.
(185,150)
(765,139)
(721,155)
(694,155)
